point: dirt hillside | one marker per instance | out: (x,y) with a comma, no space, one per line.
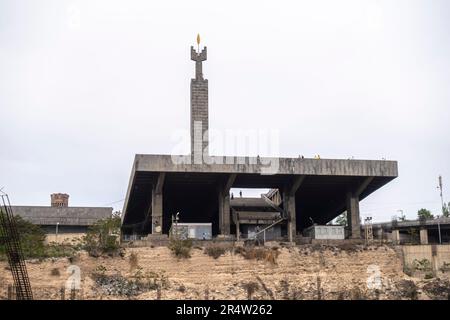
(303,272)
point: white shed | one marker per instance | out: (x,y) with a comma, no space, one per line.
(332,232)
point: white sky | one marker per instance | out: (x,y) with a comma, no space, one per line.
(85,85)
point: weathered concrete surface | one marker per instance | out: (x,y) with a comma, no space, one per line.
(437,255)
(423,236)
(251,165)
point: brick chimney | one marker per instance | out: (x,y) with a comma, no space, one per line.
(59,200)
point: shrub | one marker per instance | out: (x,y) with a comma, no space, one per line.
(437,289)
(429,275)
(31,239)
(348,246)
(133,261)
(102,237)
(181,248)
(445,267)
(253,253)
(216,250)
(408,270)
(357,294)
(251,287)
(55,272)
(422,265)
(408,289)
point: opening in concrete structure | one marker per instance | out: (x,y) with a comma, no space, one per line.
(194,197)
(248,192)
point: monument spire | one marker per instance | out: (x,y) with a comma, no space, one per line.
(198,56)
(199,106)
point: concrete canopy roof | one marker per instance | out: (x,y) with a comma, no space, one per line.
(321,196)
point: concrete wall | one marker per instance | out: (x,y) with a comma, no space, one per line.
(436,254)
(63,237)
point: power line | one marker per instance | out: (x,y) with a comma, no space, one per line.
(114,202)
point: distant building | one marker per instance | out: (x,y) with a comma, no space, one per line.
(61,222)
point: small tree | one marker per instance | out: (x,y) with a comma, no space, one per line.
(102,237)
(445,210)
(31,238)
(424,214)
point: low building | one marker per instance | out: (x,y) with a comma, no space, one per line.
(327,232)
(61,222)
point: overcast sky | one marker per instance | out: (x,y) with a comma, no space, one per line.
(85,85)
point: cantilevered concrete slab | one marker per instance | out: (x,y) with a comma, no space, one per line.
(326,190)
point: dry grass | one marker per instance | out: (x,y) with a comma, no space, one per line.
(251,287)
(181,248)
(133,260)
(216,250)
(255,253)
(55,272)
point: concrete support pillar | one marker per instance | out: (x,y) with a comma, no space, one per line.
(423,236)
(224,212)
(396,236)
(353,218)
(157,212)
(289,206)
(224,205)
(290,214)
(291,217)
(157,205)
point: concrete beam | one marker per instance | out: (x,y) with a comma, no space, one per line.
(296,183)
(274,206)
(229,182)
(160,182)
(363,186)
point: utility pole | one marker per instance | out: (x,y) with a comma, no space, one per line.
(368,230)
(442,198)
(442,207)
(439,230)
(402,215)
(56,232)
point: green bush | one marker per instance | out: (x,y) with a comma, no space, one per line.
(429,275)
(31,239)
(102,237)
